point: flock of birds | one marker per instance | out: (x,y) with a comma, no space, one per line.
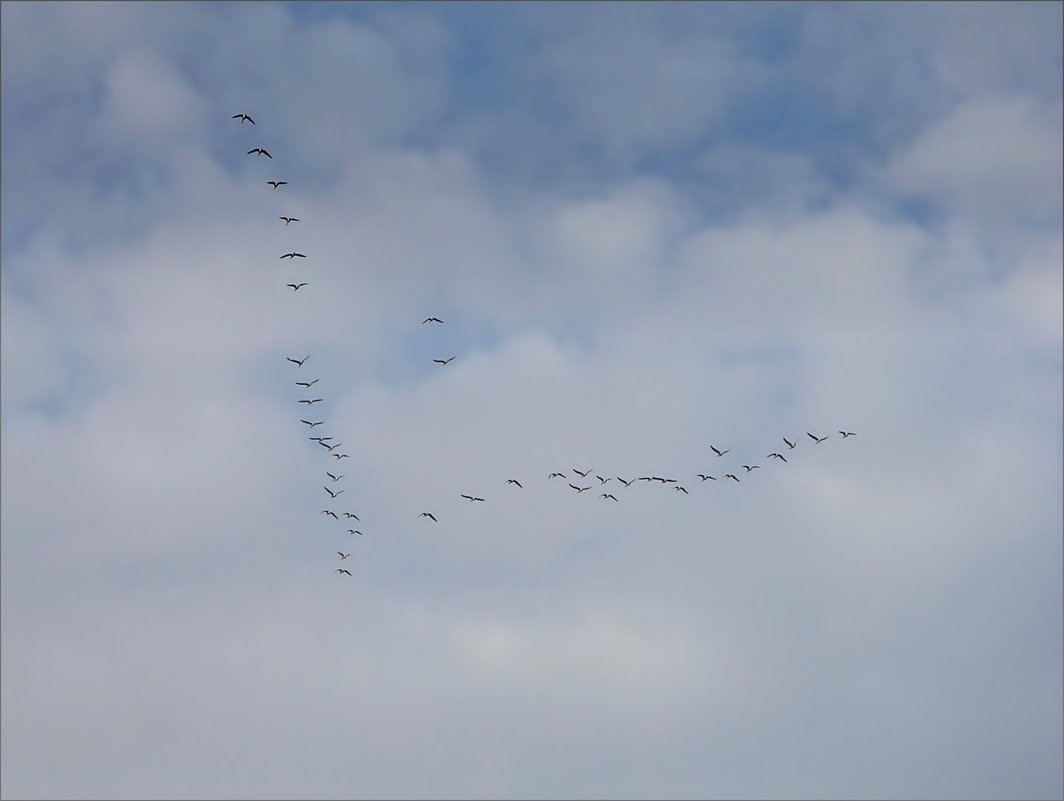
(578,476)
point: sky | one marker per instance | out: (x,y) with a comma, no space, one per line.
(649,229)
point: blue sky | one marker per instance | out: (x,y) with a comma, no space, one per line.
(649,228)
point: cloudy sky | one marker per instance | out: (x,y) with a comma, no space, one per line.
(649,229)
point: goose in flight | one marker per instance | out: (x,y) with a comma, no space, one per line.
(295,287)
(847,434)
(354,531)
(318,423)
(626,483)
(719,452)
(293,255)
(444,361)
(334,478)
(289,219)
(431,320)
(583,474)
(703,476)
(331,448)
(341,570)
(331,514)
(340,455)
(297,362)
(579,489)
(276,184)
(307,384)
(333,495)
(243,117)
(601,479)
(556,475)
(350,515)
(817,439)
(470,498)
(606,495)
(311,402)
(681,489)
(779,456)
(260,150)
(750,467)
(732,477)
(342,555)
(514,481)
(789,443)
(429,515)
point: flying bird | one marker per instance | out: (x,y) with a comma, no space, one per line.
(295,287)
(601,479)
(584,474)
(311,402)
(626,483)
(333,495)
(732,477)
(431,320)
(334,478)
(817,439)
(260,150)
(289,219)
(751,467)
(332,447)
(789,443)
(319,440)
(684,491)
(703,476)
(341,570)
(307,384)
(719,452)
(353,531)
(349,515)
(341,455)
(296,362)
(443,361)
(429,515)
(318,423)
(579,489)
(242,117)
(342,555)
(556,475)
(332,514)
(847,434)
(470,498)
(779,456)
(606,495)
(276,184)
(514,481)
(293,255)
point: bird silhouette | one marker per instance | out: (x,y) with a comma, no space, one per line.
(311,401)
(514,481)
(719,452)
(342,555)
(779,456)
(846,434)
(334,478)
(626,483)
(556,475)
(309,423)
(429,515)
(297,362)
(444,361)
(817,439)
(293,255)
(732,477)
(341,455)
(789,443)
(341,570)
(243,117)
(470,498)
(749,467)
(579,489)
(703,476)
(307,384)
(333,495)
(606,495)
(431,320)
(276,184)
(353,531)
(584,474)
(295,287)
(331,514)
(350,515)
(289,219)
(260,150)
(601,479)
(681,489)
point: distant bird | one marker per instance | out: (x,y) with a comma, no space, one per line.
(353,531)
(749,467)
(579,489)
(681,489)
(293,255)
(719,452)
(556,475)
(295,287)
(334,478)
(732,477)
(779,456)
(342,555)
(444,361)
(307,384)
(703,476)
(429,515)
(289,219)
(260,150)
(847,434)
(349,515)
(584,474)
(431,320)
(514,481)
(646,478)
(789,443)
(817,439)
(606,495)
(333,495)
(341,570)
(331,514)
(341,455)
(242,117)
(332,447)
(470,498)
(296,362)
(276,184)
(318,423)
(601,479)
(319,440)
(626,483)
(311,402)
